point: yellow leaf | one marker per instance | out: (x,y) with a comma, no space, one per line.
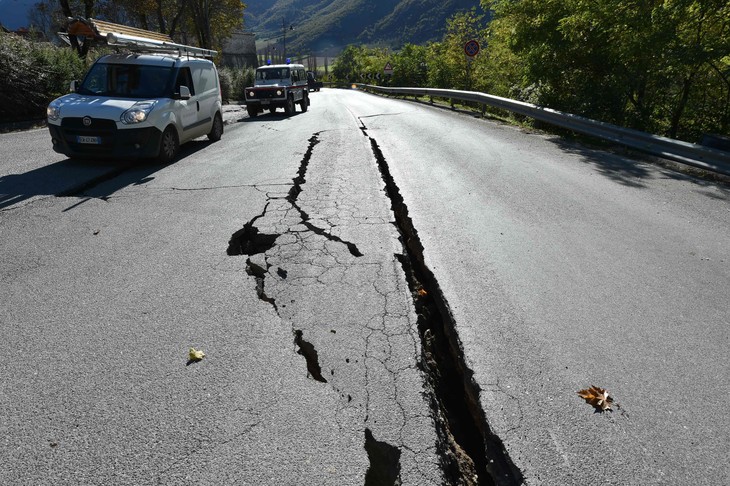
(195,355)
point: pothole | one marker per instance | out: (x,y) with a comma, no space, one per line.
(307,350)
(248,241)
(384,469)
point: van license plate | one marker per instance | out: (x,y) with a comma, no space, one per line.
(265,102)
(93,140)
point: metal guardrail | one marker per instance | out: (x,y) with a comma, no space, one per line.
(687,153)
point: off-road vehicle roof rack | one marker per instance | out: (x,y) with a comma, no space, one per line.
(130,38)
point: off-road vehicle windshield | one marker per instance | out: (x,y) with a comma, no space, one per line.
(127,81)
(266,74)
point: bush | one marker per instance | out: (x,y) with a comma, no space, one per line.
(234,82)
(32,75)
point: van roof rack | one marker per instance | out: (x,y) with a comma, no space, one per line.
(137,40)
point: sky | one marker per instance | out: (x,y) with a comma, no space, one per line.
(14,13)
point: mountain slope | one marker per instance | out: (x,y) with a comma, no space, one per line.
(317,25)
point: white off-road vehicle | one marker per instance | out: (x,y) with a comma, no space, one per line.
(278,86)
(138,104)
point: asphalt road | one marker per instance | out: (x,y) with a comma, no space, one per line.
(274,250)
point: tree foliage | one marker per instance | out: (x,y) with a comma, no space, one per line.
(656,65)
(205,23)
(662,66)
(39,71)
(349,64)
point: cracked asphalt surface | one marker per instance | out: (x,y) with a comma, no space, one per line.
(105,289)
(276,251)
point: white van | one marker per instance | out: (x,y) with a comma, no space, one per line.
(138,105)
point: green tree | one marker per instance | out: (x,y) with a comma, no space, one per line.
(656,65)
(206,23)
(410,66)
(215,20)
(348,65)
(456,70)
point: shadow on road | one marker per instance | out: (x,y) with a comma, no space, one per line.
(625,168)
(71,177)
(614,166)
(277,115)
(628,171)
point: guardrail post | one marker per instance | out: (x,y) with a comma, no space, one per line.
(451,102)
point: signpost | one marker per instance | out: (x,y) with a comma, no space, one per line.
(471,48)
(388,69)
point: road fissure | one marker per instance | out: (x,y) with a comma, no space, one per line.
(470,453)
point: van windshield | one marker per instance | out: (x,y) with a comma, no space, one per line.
(127,81)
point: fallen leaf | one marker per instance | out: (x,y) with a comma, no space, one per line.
(598,397)
(422,293)
(195,355)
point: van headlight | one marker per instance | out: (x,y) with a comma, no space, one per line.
(138,113)
(53,112)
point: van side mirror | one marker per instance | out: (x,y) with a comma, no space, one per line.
(184,93)
(73,88)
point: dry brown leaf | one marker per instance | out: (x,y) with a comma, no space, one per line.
(598,397)
(422,293)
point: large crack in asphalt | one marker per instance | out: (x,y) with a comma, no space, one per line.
(466,450)
(471,454)
(249,241)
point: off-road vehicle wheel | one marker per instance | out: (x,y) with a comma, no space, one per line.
(304,104)
(252,112)
(289,107)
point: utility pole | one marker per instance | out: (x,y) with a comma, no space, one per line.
(284,29)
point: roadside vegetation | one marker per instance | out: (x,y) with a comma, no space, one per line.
(659,66)
(234,82)
(32,74)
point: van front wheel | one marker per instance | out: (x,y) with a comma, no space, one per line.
(216,131)
(169,145)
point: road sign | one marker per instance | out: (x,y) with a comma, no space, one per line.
(471,48)
(388,69)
